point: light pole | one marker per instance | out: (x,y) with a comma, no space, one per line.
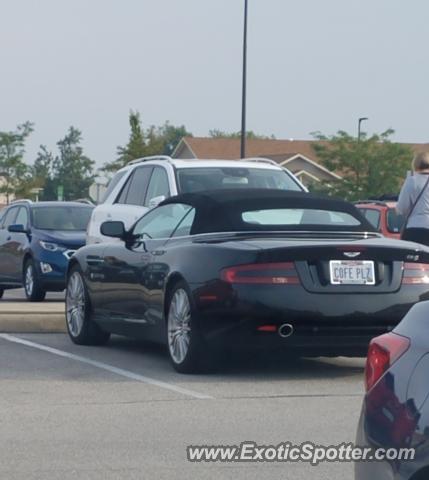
(243,101)
(361,119)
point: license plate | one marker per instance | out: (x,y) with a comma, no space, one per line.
(352,272)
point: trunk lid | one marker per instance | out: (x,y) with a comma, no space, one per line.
(312,257)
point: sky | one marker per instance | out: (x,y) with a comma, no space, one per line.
(312,66)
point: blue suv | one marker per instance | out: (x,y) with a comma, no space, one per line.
(36,243)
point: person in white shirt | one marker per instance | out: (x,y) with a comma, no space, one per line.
(413,202)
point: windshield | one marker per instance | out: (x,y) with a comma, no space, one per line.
(214,178)
(394,221)
(68,218)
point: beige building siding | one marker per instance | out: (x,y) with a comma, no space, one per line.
(184,152)
(299,164)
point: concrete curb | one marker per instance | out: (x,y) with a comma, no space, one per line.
(22,317)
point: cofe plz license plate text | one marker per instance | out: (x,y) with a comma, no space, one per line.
(352,272)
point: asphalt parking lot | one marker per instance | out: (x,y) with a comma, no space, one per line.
(19,294)
(121,412)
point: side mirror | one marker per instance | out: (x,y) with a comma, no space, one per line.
(17,228)
(155,201)
(113,229)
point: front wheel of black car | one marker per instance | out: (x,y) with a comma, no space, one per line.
(82,330)
(32,285)
(187,349)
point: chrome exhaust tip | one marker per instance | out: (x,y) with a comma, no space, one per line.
(285,330)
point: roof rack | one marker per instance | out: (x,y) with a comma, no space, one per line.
(261,160)
(25,200)
(148,159)
(85,200)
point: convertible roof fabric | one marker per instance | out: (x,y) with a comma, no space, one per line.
(220,210)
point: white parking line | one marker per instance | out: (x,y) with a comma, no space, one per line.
(105,366)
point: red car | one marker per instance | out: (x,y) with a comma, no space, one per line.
(383,216)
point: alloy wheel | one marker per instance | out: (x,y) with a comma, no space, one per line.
(179,326)
(75,304)
(29,279)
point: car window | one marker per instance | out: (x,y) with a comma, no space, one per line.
(214,178)
(162,221)
(112,184)
(158,185)
(395,221)
(373,216)
(9,218)
(299,216)
(122,198)
(185,226)
(134,191)
(22,217)
(63,217)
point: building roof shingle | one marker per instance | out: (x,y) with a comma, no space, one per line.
(229,148)
(279,150)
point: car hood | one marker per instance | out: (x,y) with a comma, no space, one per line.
(66,238)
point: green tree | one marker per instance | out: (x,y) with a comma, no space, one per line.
(146,142)
(13,169)
(71,168)
(171,136)
(42,172)
(369,167)
(250,135)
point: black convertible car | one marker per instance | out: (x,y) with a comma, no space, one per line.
(245,269)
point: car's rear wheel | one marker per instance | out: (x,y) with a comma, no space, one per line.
(187,349)
(80,326)
(32,285)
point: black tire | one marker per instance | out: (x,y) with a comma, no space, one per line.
(33,288)
(1,292)
(82,329)
(198,357)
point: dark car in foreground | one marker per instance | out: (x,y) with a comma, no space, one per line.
(395,411)
(36,242)
(245,269)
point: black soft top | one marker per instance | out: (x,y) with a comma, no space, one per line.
(220,210)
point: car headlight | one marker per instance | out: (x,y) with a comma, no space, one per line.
(51,247)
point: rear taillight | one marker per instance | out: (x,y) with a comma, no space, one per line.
(415,274)
(382,354)
(262,273)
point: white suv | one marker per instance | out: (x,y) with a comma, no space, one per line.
(146,182)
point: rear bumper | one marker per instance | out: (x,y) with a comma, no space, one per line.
(341,324)
(311,340)
(369,470)
(382,470)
